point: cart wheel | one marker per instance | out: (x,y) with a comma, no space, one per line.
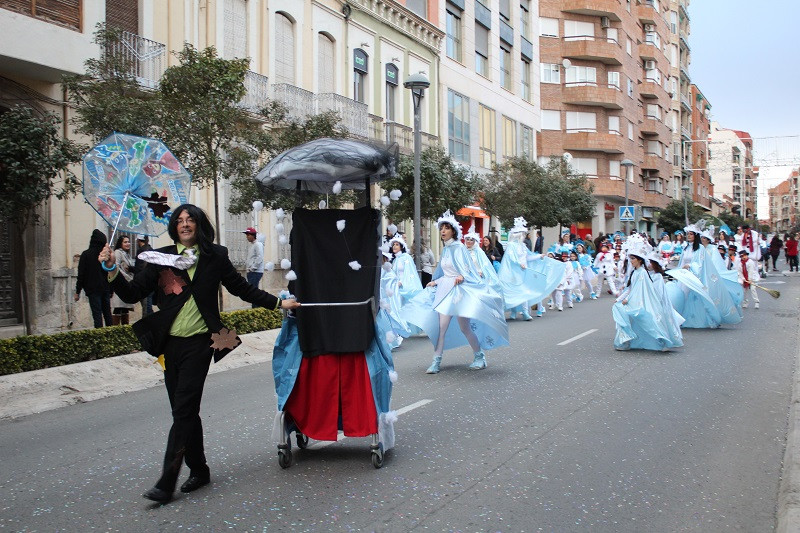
(302,441)
(285,458)
(377,458)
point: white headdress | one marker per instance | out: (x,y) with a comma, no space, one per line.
(472,234)
(399,239)
(637,245)
(708,233)
(448,218)
(697,227)
(657,257)
(520,225)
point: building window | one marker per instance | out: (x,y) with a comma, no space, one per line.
(581,76)
(578,121)
(612,35)
(505,9)
(551,119)
(551,73)
(453,34)
(481,50)
(235,29)
(525,80)
(614,170)
(527,143)
(420,7)
(673,22)
(613,125)
(284,49)
(458,126)
(326,79)
(505,69)
(575,30)
(391,91)
(360,70)
(585,165)
(653,111)
(629,47)
(548,27)
(524,18)
(654,148)
(488,150)
(509,137)
(630,87)
(613,80)
(630,130)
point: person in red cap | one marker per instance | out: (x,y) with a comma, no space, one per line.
(255,258)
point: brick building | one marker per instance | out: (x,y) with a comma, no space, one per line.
(783,204)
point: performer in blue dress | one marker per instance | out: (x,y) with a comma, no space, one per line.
(408,281)
(638,312)
(457,290)
(526,278)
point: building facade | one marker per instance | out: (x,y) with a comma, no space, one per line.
(730,163)
(605,98)
(783,204)
(310,56)
(701,186)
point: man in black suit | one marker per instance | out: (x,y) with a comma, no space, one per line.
(187,329)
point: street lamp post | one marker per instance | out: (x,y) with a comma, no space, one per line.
(685,190)
(628,164)
(417,83)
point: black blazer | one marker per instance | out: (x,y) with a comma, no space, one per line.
(173,288)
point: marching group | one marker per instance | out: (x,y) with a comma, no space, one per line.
(695,278)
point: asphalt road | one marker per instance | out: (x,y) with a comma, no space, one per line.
(551,437)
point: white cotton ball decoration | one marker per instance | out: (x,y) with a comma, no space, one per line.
(385,305)
(286,264)
(280,213)
(392,376)
(384,201)
(282,239)
(391,417)
(387,267)
(392,229)
(270,266)
(337,187)
(279,228)
(355,265)
(283,294)
(389,292)
(322,204)
(385,247)
(395,194)
(340,225)
(291,276)
(390,337)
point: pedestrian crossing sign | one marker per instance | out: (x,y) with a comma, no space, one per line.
(626,213)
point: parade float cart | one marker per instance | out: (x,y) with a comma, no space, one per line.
(332,364)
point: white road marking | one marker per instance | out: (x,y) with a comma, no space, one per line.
(772,283)
(340,436)
(576,337)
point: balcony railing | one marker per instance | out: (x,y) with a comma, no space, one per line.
(299,103)
(147,59)
(376,129)
(257,86)
(404,137)
(354,115)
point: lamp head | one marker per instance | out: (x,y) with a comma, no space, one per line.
(626,163)
(417,82)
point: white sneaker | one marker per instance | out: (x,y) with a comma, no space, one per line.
(560,308)
(756,305)
(570,305)
(745,305)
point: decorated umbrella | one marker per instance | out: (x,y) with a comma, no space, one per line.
(134,182)
(317,165)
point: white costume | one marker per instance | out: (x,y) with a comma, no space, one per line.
(752,276)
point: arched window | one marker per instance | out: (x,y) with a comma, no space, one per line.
(235,29)
(284,49)
(326,80)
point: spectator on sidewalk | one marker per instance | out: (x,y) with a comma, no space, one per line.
(120,310)
(143,245)
(255,258)
(791,252)
(94,282)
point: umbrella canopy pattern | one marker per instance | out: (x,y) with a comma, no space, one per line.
(134,182)
(320,163)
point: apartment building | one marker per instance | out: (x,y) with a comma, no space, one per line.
(700,186)
(680,83)
(604,85)
(311,56)
(783,204)
(489,82)
(730,162)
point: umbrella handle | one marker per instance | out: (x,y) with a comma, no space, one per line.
(113,233)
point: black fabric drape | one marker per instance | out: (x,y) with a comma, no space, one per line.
(320,257)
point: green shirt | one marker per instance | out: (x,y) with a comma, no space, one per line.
(189,320)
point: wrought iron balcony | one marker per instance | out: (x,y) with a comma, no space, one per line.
(257,87)
(147,59)
(299,103)
(354,115)
(404,137)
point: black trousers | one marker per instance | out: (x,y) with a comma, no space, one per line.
(187,360)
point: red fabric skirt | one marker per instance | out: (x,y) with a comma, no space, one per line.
(330,387)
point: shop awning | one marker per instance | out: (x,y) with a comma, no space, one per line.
(472,211)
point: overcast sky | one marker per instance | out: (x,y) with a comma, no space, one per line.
(745,60)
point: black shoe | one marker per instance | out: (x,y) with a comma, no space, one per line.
(194,483)
(158,495)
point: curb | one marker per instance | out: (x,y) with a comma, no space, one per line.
(43,390)
(788,520)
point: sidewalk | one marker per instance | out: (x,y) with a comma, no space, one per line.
(43,390)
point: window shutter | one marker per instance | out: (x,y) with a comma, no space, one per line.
(325,73)
(284,49)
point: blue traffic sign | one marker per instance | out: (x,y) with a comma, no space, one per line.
(626,213)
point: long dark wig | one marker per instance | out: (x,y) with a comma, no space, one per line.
(205,230)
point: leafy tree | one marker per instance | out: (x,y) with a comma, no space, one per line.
(672,217)
(107,97)
(34,163)
(444,185)
(545,196)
